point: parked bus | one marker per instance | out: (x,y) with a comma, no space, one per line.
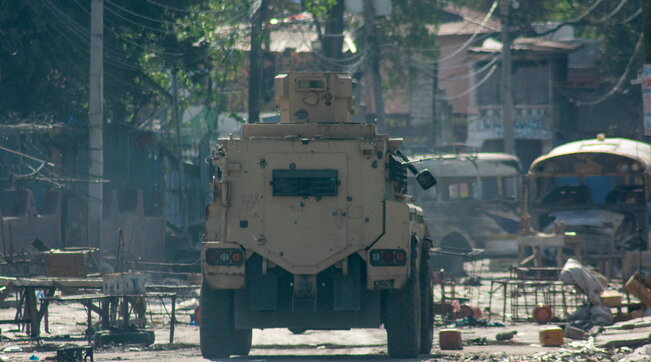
(597,189)
(475,203)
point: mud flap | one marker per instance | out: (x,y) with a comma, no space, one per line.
(347,288)
(262,292)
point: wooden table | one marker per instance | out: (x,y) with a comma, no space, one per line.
(537,241)
(32,314)
(107,301)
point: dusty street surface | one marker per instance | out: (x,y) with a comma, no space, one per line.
(67,323)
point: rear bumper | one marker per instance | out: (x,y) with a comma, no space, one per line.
(340,301)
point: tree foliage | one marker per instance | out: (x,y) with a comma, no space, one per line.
(44,55)
(409,38)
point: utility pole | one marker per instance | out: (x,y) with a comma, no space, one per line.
(333,38)
(646,72)
(96,124)
(646,7)
(179,150)
(438,128)
(507,82)
(373,65)
(255,61)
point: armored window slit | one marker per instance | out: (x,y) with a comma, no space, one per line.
(305,183)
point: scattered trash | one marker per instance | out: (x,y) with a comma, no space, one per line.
(542,314)
(472,322)
(506,336)
(479,341)
(34,358)
(552,336)
(473,281)
(574,332)
(611,298)
(640,287)
(450,339)
(72,352)
(12,349)
(592,284)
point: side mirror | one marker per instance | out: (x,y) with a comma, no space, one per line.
(425,179)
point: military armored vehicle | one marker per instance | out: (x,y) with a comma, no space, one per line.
(312,227)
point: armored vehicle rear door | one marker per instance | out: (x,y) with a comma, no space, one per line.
(305,207)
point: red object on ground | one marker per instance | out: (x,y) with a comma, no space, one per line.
(197,315)
(450,339)
(542,314)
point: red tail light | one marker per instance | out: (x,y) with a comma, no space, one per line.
(211,256)
(236,257)
(388,257)
(226,257)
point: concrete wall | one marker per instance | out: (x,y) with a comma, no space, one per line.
(144,236)
(23,221)
(453,73)
(420,100)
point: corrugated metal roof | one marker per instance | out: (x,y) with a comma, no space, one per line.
(470,23)
(532,45)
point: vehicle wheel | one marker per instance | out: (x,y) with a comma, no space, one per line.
(242,342)
(403,318)
(217,334)
(426,308)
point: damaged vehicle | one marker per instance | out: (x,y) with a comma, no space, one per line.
(596,190)
(475,204)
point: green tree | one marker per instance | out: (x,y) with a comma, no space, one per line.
(44,55)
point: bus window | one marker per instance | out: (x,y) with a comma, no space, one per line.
(462,190)
(489,190)
(510,188)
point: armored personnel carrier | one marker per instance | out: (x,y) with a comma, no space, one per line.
(311,227)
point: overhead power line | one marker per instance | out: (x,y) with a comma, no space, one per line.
(168,7)
(619,85)
(145,17)
(471,39)
(471,89)
(576,20)
(612,13)
(476,72)
(136,23)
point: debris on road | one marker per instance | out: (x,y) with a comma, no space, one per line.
(505,336)
(450,339)
(551,336)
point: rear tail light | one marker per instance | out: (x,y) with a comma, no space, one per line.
(227,257)
(388,257)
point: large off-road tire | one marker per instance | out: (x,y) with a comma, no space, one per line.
(217,333)
(403,318)
(426,307)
